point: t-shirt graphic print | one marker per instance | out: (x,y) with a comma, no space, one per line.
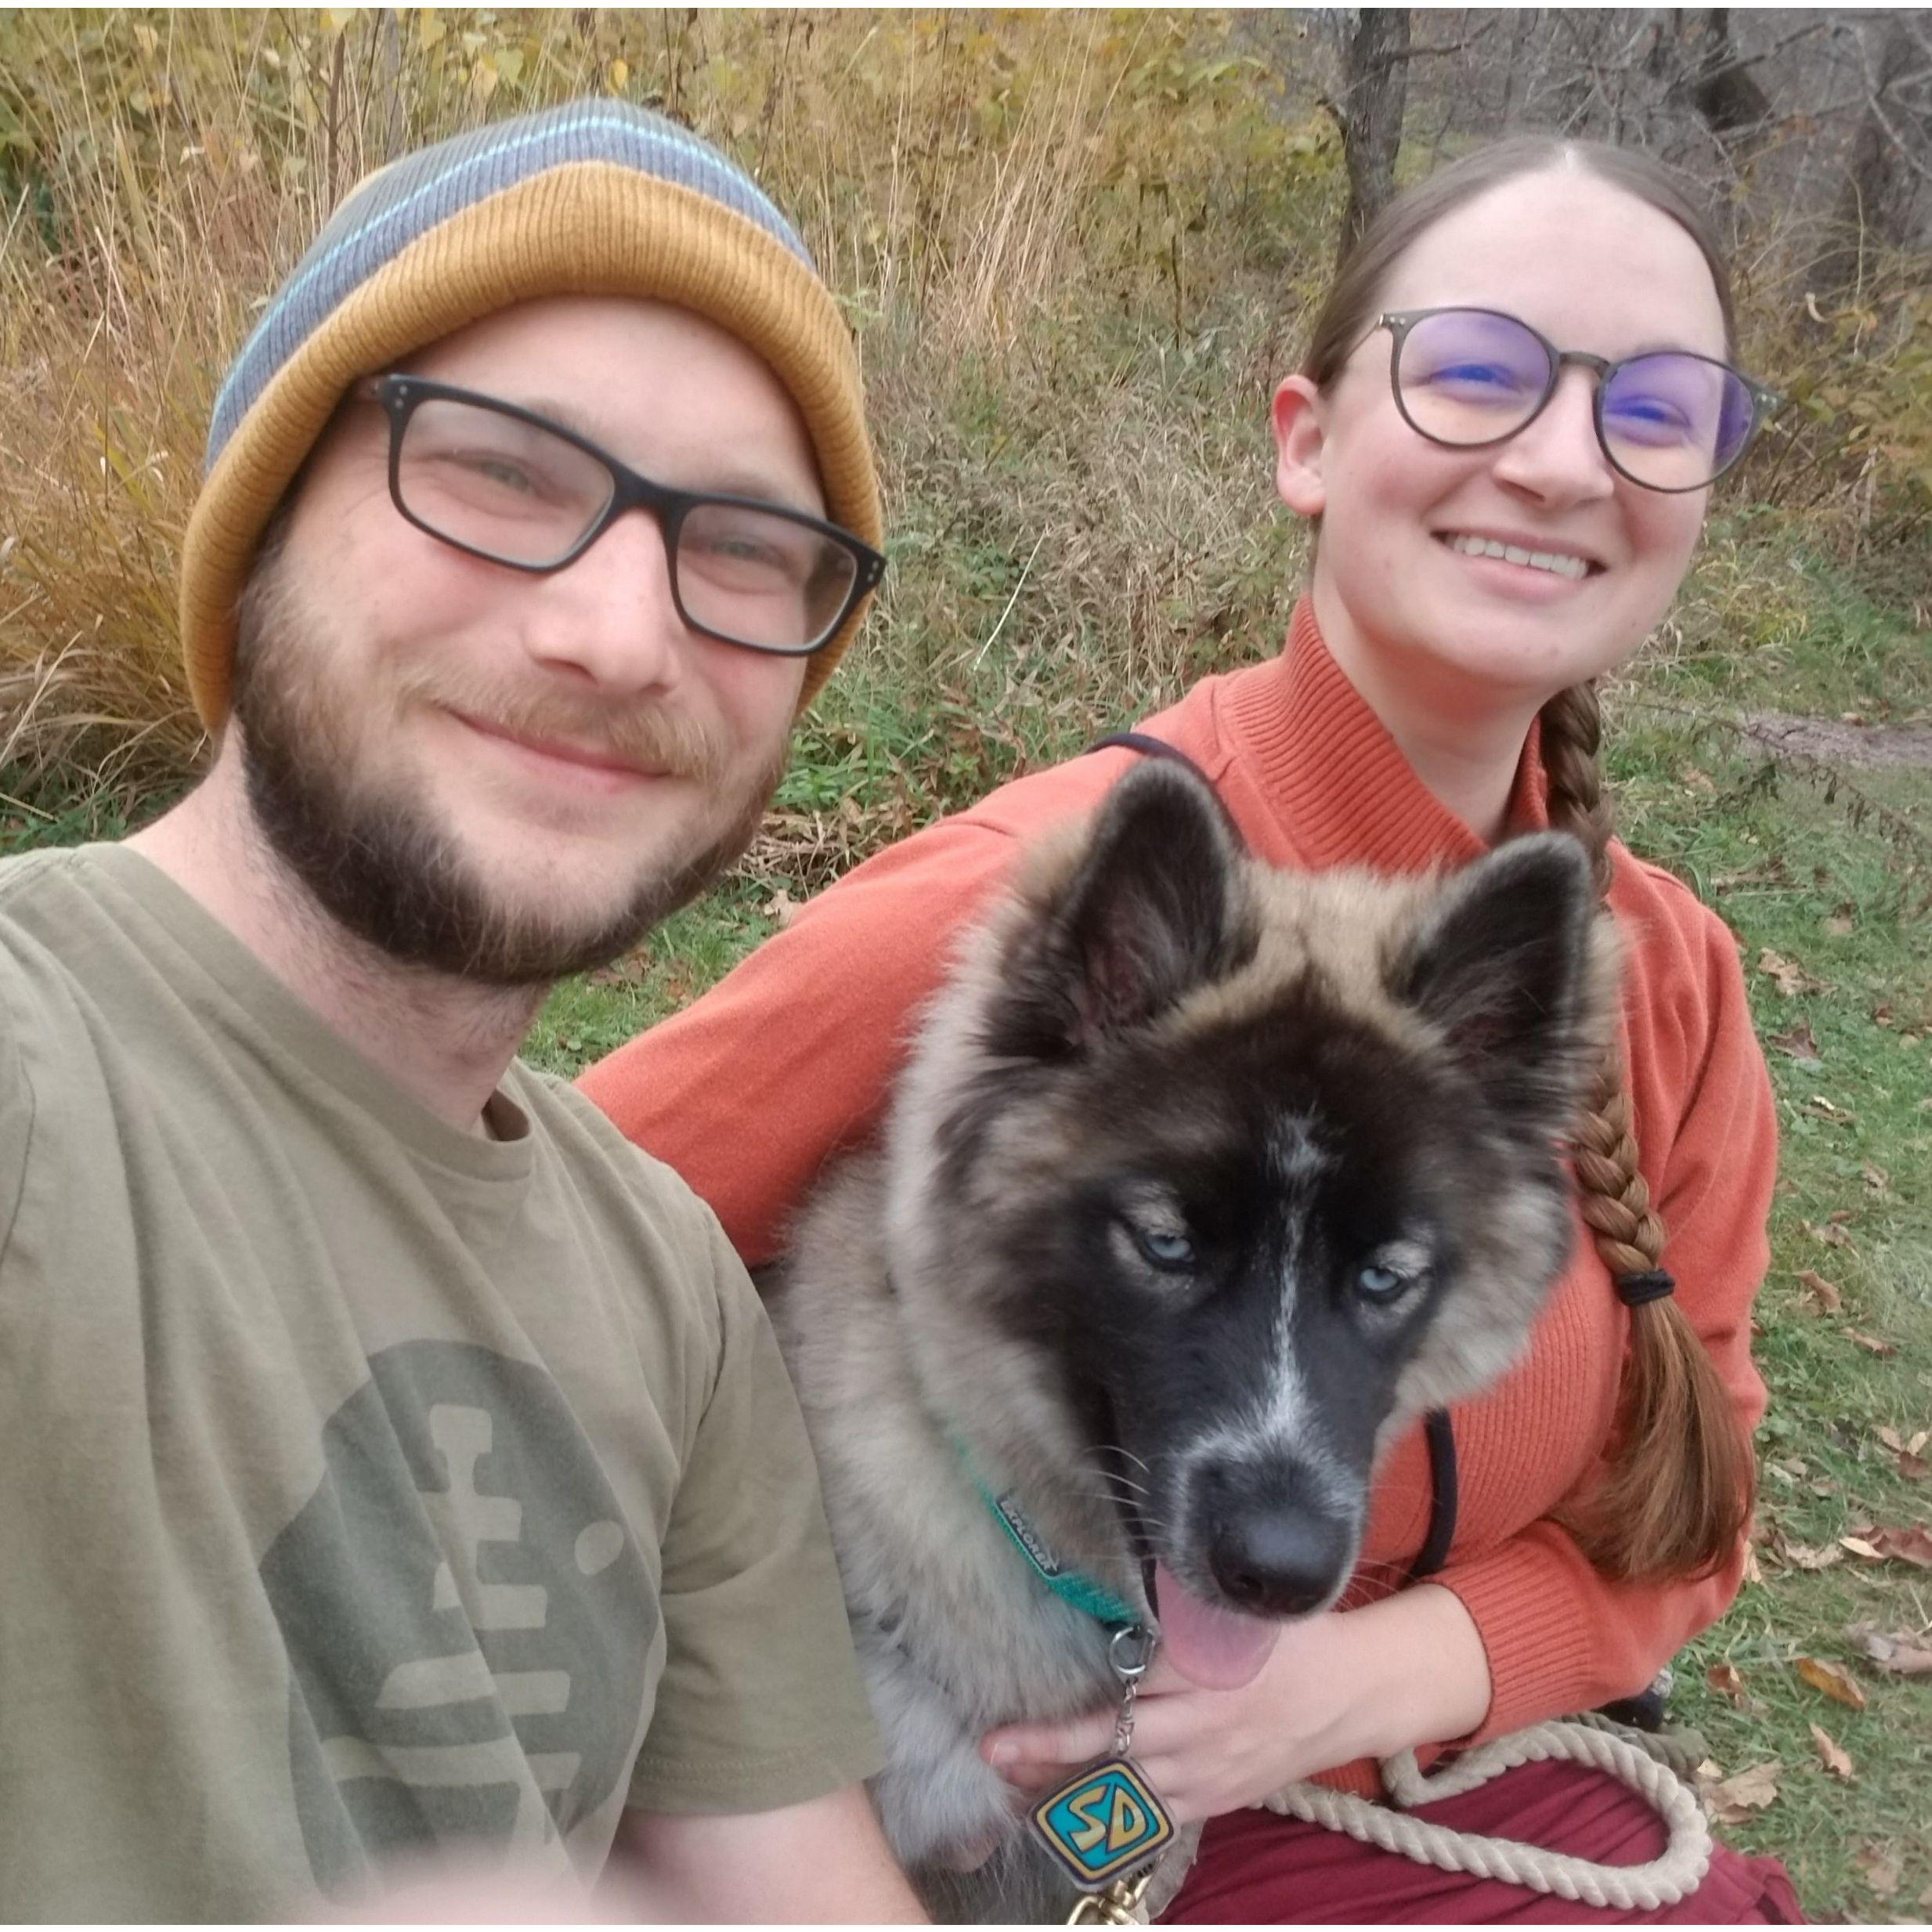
(466,1618)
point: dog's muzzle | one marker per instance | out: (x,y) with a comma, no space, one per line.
(1269,1535)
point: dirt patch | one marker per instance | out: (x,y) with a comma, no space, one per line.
(1838,741)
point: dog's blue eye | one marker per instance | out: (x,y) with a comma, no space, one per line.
(1379,1283)
(1163,1247)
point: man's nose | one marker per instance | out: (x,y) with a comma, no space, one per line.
(1558,458)
(611,617)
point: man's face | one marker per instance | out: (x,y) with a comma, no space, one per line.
(507,776)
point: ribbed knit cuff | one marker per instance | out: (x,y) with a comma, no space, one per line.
(1537,1630)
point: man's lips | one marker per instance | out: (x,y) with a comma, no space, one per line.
(554,751)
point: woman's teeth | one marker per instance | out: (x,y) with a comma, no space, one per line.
(1551,560)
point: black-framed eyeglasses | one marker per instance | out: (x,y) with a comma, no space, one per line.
(507,485)
(1670,420)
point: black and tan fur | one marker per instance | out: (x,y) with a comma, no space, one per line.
(1166,1138)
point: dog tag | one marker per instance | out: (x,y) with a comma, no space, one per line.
(1107,1821)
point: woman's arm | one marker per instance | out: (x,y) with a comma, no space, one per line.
(1559,1636)
(788,1061)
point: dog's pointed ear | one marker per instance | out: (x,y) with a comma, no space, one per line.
(1156,907)
(1514,964)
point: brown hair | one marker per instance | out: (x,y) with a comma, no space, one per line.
(1677,1494)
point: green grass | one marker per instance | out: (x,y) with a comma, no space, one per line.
(1850,1056)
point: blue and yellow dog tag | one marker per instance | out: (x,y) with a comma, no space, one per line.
(1102,1823)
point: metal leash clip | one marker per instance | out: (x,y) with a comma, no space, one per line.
(1103,1825)
(1119,1904)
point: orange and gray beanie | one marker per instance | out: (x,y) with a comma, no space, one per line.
(595,197)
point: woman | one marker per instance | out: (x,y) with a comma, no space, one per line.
(1516,397)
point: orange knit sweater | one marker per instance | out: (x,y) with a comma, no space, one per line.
(749,1092)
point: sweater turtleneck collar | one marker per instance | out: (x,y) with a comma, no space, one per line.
(1344,794)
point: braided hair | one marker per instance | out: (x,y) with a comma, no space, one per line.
(1676,1496)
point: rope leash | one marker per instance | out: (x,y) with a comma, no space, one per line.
(1641,1762)
(1675,1873)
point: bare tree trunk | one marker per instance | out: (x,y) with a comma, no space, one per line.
(1374,91)
(1882,173)
(1735,108)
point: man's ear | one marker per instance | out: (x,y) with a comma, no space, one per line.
(1299,435)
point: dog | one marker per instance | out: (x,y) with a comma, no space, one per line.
(1203,1181)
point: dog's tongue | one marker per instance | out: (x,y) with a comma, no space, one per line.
(1218,1649)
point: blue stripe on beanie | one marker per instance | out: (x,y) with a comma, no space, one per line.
(405,200)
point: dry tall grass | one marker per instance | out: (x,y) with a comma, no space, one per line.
(988,197)
(1076,248)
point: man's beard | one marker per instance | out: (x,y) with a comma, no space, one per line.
(379,863)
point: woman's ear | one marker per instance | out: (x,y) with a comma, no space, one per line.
(1299,434)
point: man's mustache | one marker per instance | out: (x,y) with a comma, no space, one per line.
(647,733)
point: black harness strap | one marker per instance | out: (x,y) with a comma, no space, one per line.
(1440,1433)
(1153,747)
(1435,1550)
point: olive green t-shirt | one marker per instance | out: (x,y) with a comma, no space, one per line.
(366,1485)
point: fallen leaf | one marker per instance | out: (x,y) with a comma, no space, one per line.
(1727,1681)
(1876,1180)
(1859,1547)
(1889,1436)
(1917,1441)
(1800,1042)
(1820,1297)
(1802,1556)
(1911,1545)
(1837,1759)
(1881,1869)
(1871,1344)
(1735,1799)
(1893,1650)
(1821,1107)
(1831,1680)
(781,908)
(1913,1468)
(1789,977)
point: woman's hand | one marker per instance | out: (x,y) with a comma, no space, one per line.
(1367,1683)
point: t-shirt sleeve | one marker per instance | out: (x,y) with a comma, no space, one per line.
(761,1703)
(1559,1636)
(748,1092)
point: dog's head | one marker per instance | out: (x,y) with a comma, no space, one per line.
(1207,1178)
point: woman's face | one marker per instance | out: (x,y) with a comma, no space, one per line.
(1593,268)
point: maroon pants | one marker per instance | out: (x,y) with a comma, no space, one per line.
(1258,1868)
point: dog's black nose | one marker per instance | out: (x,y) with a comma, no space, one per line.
(1274,1561)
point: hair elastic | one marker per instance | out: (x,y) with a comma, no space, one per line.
(1634,1290)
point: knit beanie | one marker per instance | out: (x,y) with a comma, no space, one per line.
(595,197)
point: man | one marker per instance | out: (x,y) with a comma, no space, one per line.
(395,1461)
